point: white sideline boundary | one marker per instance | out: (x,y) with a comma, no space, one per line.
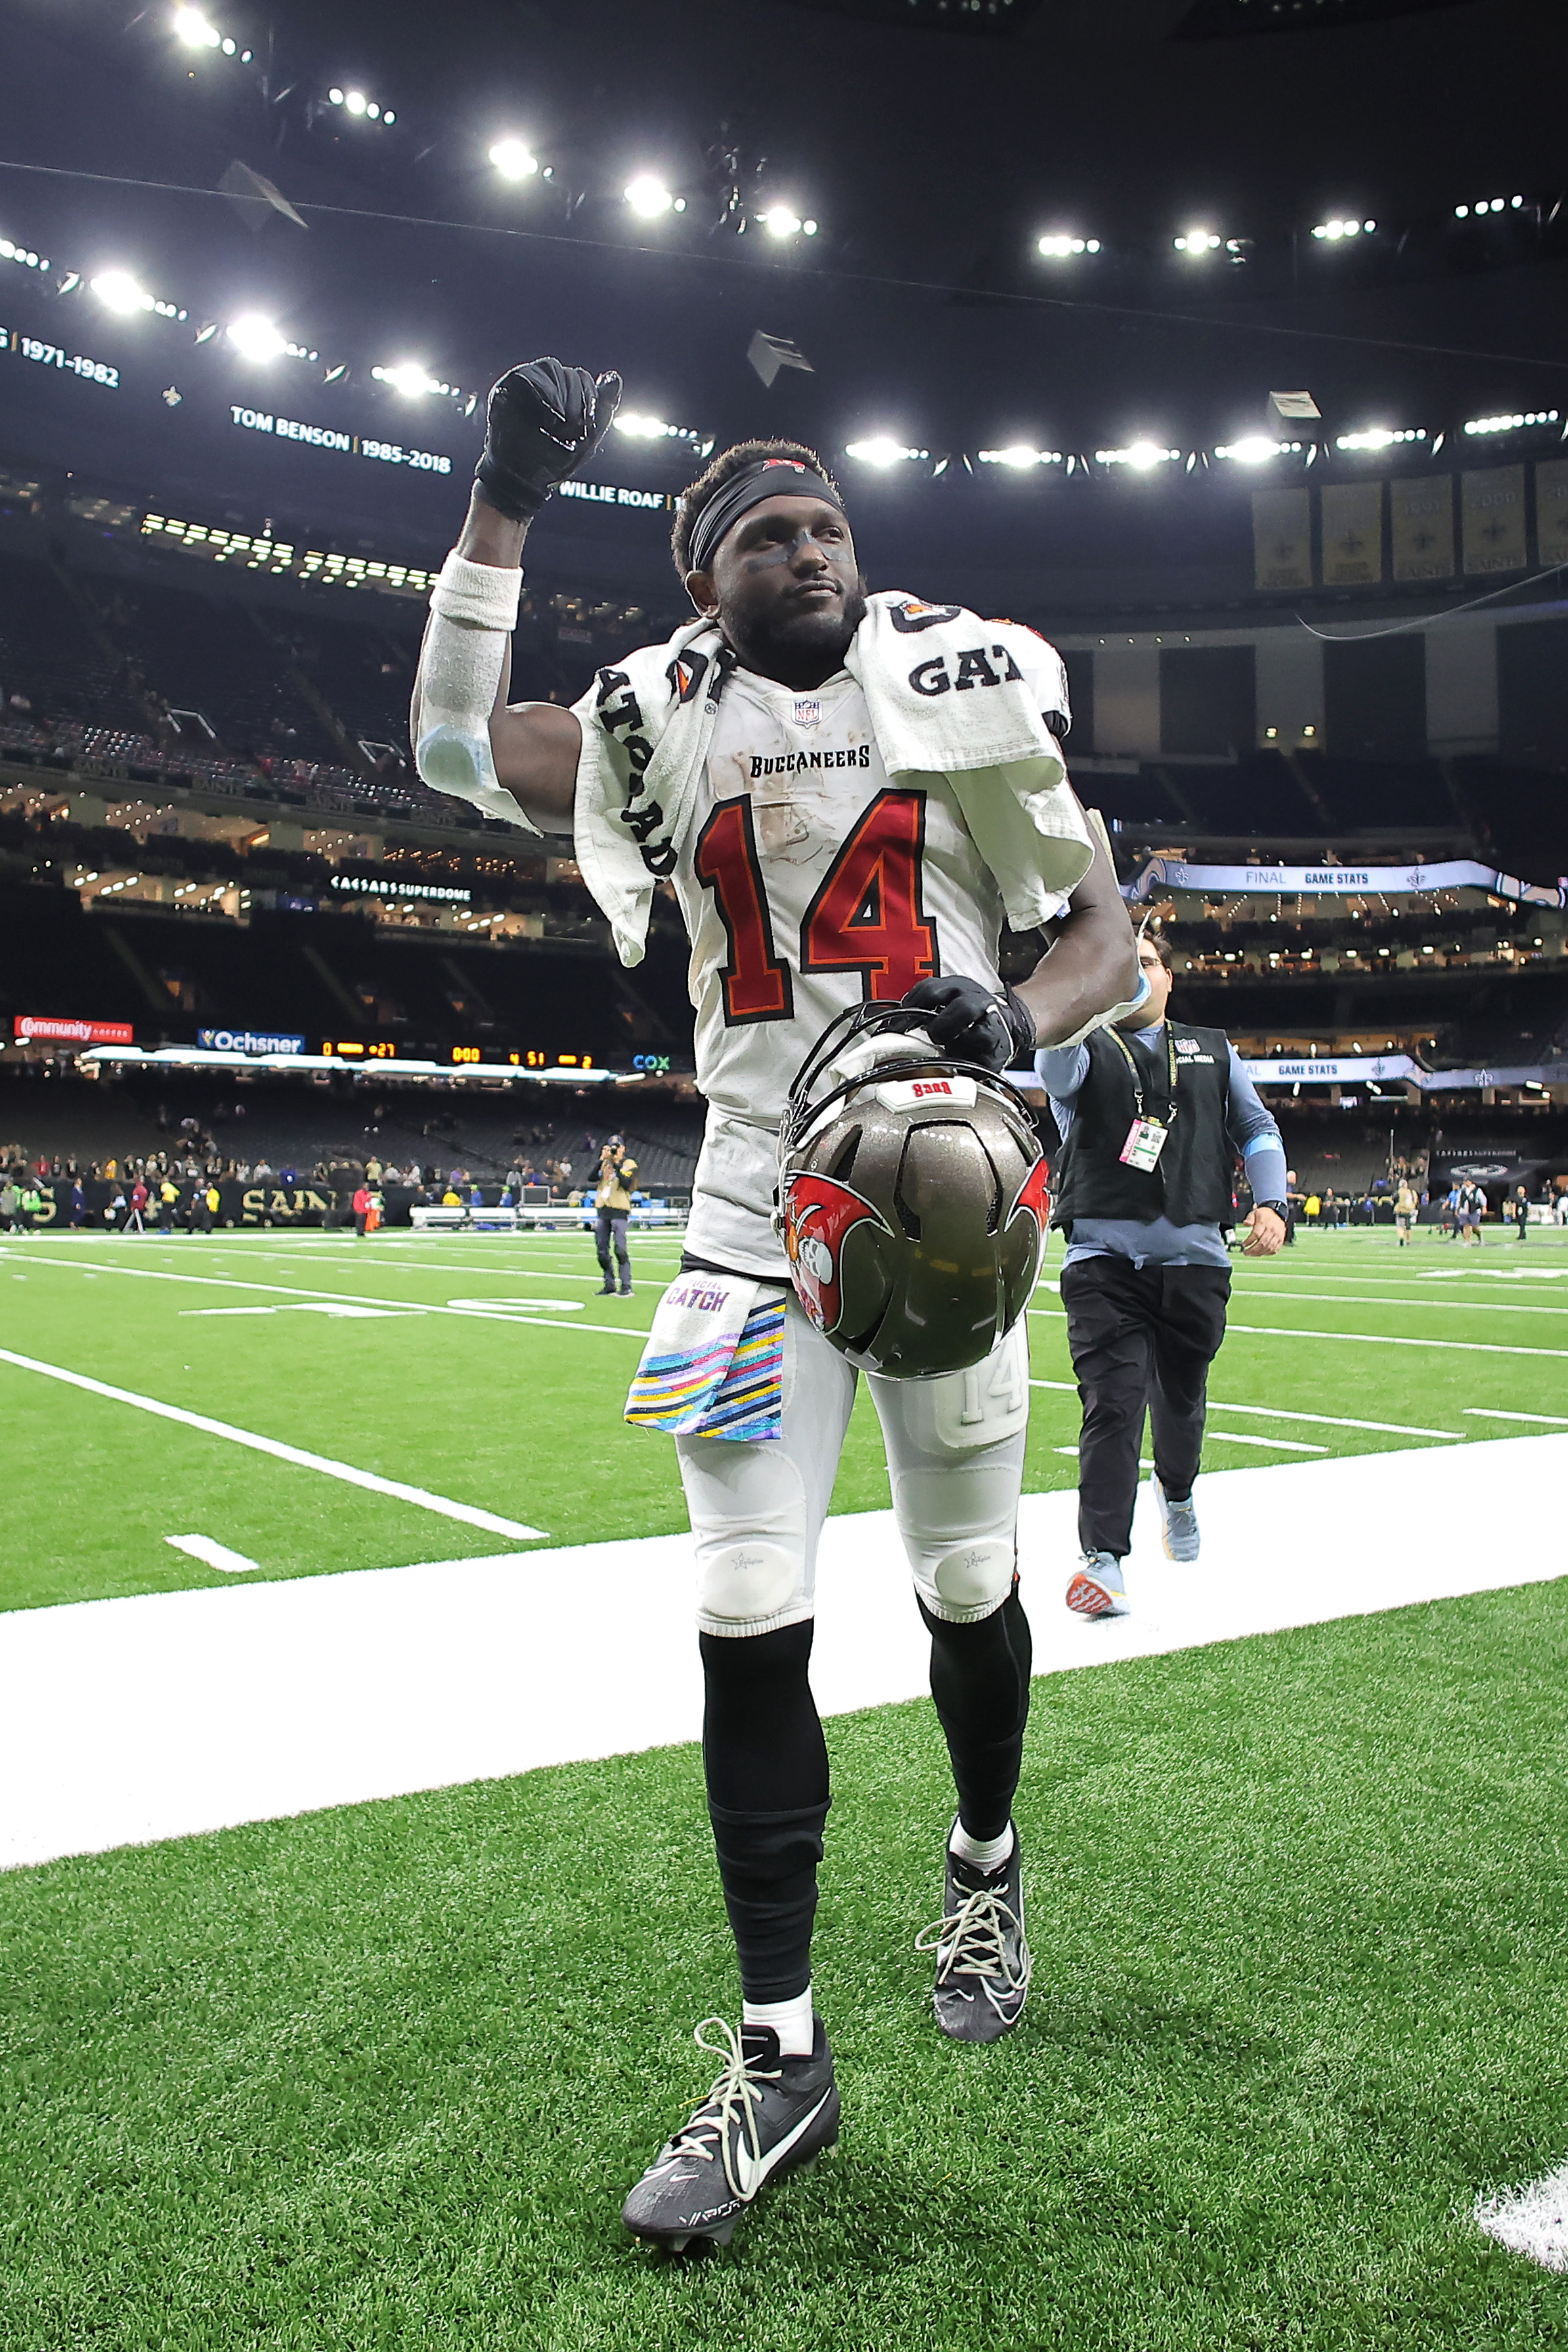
(1533,2220)
(159,1715)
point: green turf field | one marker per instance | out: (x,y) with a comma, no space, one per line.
(458,1384)
(379,2076)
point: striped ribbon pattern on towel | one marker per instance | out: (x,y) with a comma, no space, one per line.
(719,1391)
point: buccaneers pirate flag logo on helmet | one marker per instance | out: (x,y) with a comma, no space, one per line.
(911,1198)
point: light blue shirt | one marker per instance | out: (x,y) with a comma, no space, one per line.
(1062,1070)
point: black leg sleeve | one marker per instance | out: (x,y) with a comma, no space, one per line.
(979,1680)
(767,1767)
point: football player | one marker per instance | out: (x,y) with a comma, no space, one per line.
(810,879)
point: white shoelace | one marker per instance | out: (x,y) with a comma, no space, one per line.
(972,1939)
(733,2100)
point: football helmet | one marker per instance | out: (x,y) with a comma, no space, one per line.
(912,1200)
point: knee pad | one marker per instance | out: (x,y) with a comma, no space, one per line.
(743,1587)
(976,1578)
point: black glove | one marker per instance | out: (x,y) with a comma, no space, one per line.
(973,1022)
(542,422)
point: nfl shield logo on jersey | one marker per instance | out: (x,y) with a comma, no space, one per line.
(808,711)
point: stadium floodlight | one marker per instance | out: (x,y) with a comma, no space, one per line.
(1059,245)
(512,160)
(648,197)
(256,338)
(192,27)
(1140,455)
(1482,423)
(781,222)
(410,378)
(27,259)
(1378,436)
(882,450)
(643,428)
(1334,230)
(117,290)
(1198,241)
(1019,456)
(335,97)
(356,102)
(1256,450)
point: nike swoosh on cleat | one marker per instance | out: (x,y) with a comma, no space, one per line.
(750,2173)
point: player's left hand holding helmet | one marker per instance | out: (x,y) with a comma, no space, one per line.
(542,422)
(973,1022)
(912,1196)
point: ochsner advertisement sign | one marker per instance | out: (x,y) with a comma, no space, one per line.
(250,1041)
(45,1027)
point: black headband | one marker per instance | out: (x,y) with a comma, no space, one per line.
(771,477)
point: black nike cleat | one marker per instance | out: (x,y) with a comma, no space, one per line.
(983,1962)
(766,2114)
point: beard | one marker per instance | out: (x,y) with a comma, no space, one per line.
(800,649)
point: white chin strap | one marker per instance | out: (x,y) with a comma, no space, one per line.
(474,610)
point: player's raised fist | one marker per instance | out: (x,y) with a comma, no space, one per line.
(543,421)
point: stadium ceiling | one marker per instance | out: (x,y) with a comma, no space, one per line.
(932,164)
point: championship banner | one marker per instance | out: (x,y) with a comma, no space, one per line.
(1283,539)
(1353,533)
(1552,510)
(1162,874)
(1421,508)
(1492,516)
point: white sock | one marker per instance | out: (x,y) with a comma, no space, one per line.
(791,2021)
(981,1854)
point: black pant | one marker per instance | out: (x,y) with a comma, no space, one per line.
(612,1222)
(1142,1338)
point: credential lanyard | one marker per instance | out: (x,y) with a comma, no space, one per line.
(1132,1061)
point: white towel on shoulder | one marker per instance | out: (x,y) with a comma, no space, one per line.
(948,694)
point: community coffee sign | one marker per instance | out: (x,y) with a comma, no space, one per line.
(73,1033)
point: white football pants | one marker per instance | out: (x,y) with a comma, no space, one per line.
(954,1459)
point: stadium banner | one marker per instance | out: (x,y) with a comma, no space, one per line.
(1552,510)
(1162,874)
(1320,1070)
(267,1204)
(1283,539)
(1491,519)
(73,1033)
(1353,533)
(1422,510)
(250,1041)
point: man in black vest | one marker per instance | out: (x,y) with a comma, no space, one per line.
(1153,1117)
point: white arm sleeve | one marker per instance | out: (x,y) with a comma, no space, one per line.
(473,611)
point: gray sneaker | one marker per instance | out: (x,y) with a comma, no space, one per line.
(1179,1524)
(766,2114)
(982,1963)
(1097,1590)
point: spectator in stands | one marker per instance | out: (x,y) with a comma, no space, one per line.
(1404,1211)
(1518,1210)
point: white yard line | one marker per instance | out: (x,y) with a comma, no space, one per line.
(253,1698)
(302,1290)
(1361,1338)
(1532,2222)
(1279,1445)
(1493,1412)
(215,1555)
(1323,1420)
(1262,1291)
(394,1487)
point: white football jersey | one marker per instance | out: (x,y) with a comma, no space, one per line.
(808,883)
